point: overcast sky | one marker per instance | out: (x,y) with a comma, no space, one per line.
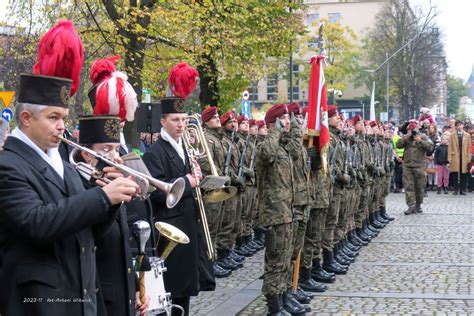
(454,19)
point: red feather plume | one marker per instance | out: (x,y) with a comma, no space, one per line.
(61,54)
(103,68)
(182,79)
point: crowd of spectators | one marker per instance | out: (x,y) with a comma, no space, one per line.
(450,165)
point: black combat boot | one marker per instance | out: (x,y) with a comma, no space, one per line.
(354,237)
(275,307)
(350,246)
(411,210)
(232,261)
(292,306)
(240,249)
(370,228)
(300,296)
(360,231)
(383,212)
(307,283)
(340,256)
(418,208)
(321,275)
(251,244)
(236,257)
(220,272)
(380,218)
(222,260)
(295,296)
(374,222)
(330,265)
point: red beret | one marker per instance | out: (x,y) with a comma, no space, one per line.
(241,118)
(229,115)
(341,116)
(261,123)
(356,119)
(208,113)
(294,107)
(304,110)
(274,112)
(252,122)
(372,123)
(332,111)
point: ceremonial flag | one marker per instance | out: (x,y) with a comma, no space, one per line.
(372,103)
(317,103)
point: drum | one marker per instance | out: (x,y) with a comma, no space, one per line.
(160,301)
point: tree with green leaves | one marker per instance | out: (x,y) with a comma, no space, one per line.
(456,90)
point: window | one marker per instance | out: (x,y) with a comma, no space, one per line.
(313,43)
(272,87)
(311,18)
(296,83)
(253,91)
(334,17)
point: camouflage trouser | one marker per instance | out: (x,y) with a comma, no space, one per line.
(214,219)
(237,219)
(354,210)
(299,232)
(277,259)
(414,181)
(255,214)
(386,191)
(362,209)
(377,190)
(228,223)
(314,235)
(340,231)
(331,218)
(248,207)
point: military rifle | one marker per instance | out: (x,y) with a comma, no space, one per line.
(228,156)
(242,156)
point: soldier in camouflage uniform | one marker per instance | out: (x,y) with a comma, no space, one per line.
(227,231)
(243,244)
(416,146)
(389,166)
(275,187)
(339,180)
(258,229)
(319,192)
(212,133)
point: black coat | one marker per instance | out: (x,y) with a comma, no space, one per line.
(47,248)
(186,270)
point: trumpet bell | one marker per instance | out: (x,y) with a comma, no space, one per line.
(172,236)
(220,194)
(175,192)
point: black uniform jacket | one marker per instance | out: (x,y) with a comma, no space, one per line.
(47,248)
(115,272)
(187,272)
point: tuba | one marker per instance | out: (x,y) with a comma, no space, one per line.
(174,191)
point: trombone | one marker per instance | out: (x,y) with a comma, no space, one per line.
(174,191)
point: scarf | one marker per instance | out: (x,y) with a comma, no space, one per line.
(177,145)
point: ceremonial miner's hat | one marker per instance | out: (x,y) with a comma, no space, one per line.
(181,81)
(113,95)
(99,129)
(56,73)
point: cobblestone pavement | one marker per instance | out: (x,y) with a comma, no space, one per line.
(419,264)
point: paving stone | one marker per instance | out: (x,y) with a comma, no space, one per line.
(418,265)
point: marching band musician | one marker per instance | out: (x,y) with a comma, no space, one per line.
(118,282)
(47,247)
(211,121)
(167,160)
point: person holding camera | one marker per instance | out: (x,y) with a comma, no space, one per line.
(416,147)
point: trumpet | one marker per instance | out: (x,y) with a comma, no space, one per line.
(174,191)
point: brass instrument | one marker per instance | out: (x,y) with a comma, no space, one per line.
(174,191)
(213,184)
(172,237)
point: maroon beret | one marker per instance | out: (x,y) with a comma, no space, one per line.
(261,123)
(241,118)
(356,119)
(332,111)
(252,122)
(274,112)
(304,110)
(372,123)
(229,115)
(294,107)
(208,113)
